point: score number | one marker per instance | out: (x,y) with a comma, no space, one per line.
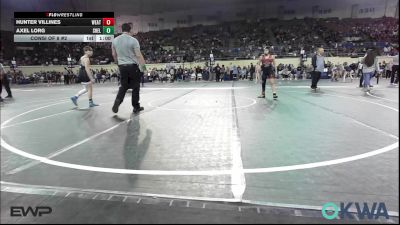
(108,25)
(108,30)
(108,21)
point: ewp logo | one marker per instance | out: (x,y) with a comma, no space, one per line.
(344,210)
(37,211)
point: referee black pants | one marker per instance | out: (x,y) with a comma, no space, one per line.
(315,76)
(130,79)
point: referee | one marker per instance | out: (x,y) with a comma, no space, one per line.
(126,53)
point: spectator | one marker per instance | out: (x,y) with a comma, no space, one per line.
(370,65)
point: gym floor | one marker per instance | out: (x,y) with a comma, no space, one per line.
(206,141)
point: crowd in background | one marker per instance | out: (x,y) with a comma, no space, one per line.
(244,39)
(68,76)
(239,39)
(337,72)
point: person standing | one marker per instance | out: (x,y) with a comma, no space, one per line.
(179,73)
(172,71)
(388,69)
(318,64)
(49,78)
(395,70)
(198,72)
(370,65)
(244,72)
(126,53)
(359,67)
(66,76)
(58,77)
(4,81)
(231,68)
(252,71)
(142,78)
(71,76)
(239,72)
(235,72)
(257,73)
(267,66)
(85,77)
(223,73)
(217,70)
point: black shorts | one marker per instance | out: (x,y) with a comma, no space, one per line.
(267,72)
(82,76)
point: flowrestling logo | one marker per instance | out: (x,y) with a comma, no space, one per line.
(331,211)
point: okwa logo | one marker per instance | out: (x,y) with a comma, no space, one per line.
(331,211)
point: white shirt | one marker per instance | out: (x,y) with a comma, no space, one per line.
(396,60)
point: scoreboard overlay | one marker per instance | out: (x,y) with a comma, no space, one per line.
(63,27)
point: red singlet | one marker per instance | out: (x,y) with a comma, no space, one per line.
(267,60)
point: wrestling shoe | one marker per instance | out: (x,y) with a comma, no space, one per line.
(74,100)
(92,104)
